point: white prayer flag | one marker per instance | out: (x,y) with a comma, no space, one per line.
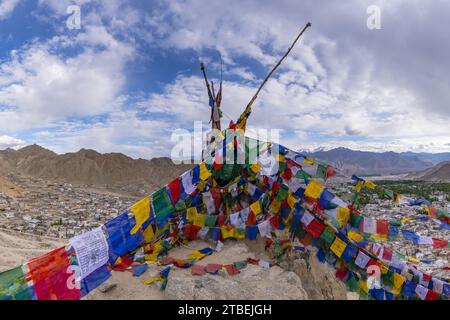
(421,291)
(186,180)
(203,232)
(264,264)
(91,249)
(264,228)
(369,225)
(209,202)
(234,218)
(307,218)
(425,240)
(362,260)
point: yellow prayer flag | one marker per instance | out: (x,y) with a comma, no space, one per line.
(141,212)
(191,213)
(201,185)
(309,161)
(151,280)
(338,247)
(291,201)
(149,235)
(275,206)
(359,185)
(197,255)
(384,269)
(411,259)
(398,280)
(314,189)
(256,207)
(199,220)
(239,234)
(379,237)
(204,172)
(406,220)
(156,249)
(280,158)
(363,286)
(343,215)
(256,167)
(161,231)
(370,185)
(352,235)
(227,232)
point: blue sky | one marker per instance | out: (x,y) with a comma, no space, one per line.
(130,75)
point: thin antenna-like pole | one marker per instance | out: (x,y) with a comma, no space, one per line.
(243,118)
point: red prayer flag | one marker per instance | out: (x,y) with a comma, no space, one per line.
(382,227)
(198,270)
(287,174)
(387,254)
(123,265)
(232,270)
(329,172)
(213,268)
(315,228)
(291,163)
(53,277)
(274,222)
(251,220)
(439,244)
(253,261)
(175,190)
(432,295)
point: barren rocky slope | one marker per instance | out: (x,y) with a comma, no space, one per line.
(88,167)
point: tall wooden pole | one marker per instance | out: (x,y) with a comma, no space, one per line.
(242,121)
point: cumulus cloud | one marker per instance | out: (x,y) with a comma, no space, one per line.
(7,7)
(39,86)
(9,142)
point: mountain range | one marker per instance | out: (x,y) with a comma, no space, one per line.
(114,171)
(375,163)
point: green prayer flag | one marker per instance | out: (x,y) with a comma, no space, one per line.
(210,221)
(327,237)
(352,283)
(240,264)
(355,220)
(162,204)
(321,172)
(303,175)
(13,285)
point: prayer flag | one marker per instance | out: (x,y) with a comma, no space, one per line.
(313,189)
(338,247)
(141,212)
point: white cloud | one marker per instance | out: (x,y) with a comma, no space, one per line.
(39,86)
(7,7)
(9,142)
